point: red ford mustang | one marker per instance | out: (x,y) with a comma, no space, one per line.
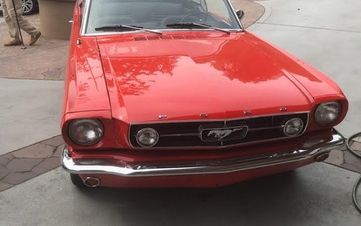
(175,93)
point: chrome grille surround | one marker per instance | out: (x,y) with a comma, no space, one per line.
(188,134)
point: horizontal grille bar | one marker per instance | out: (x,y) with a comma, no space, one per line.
(188,134)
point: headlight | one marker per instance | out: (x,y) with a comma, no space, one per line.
(147,137)
(293,127)
(86,132)
(327,113)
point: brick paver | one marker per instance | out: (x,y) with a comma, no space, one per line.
(345,159)
(22,165)
(39,150)
(3,171)
(5,159)
(4,186)
(28,162)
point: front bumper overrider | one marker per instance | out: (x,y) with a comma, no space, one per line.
(317,152)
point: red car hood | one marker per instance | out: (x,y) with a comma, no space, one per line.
(185,75)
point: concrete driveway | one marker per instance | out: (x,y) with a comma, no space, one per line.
(324,33)
(315,195)
(30,112)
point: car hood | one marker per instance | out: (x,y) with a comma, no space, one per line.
(181,76)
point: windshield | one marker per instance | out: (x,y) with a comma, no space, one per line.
(158,14)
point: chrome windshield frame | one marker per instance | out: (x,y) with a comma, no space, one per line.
(84,20)
(84,23)
(235,15)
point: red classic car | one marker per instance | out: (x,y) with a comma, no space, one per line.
(175,93)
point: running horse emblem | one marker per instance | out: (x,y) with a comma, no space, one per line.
(220,134)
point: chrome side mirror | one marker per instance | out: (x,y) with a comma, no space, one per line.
(240,14)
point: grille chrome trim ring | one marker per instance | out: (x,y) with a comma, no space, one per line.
(145,129)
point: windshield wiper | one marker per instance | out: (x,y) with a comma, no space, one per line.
(126,27)
(196,25)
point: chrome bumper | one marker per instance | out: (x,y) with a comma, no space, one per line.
(314,151)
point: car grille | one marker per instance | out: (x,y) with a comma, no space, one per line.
(193,134)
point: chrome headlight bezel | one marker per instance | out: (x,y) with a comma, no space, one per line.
(294,122)
(86,132)
(327,113)
(147,132)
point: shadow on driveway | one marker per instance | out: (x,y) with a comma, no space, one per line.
(284,199)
